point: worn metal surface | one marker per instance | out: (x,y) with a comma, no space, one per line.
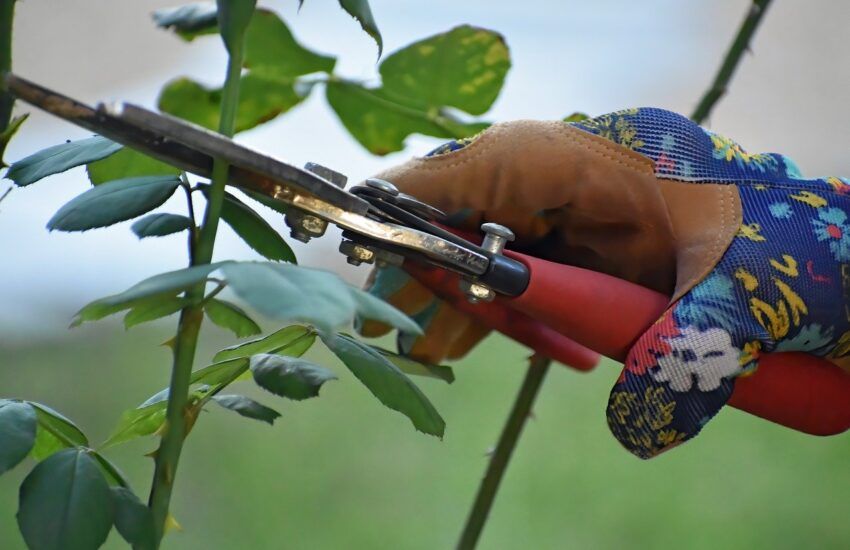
(320,199)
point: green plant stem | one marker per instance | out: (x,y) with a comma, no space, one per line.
(733,57)
(537,368)
(7,16)
(227,126)
(191,318)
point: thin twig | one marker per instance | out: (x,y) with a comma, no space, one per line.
(193,228)
(6,193)
(727,69)
(538,366)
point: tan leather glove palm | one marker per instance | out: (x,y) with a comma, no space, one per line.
(570,197)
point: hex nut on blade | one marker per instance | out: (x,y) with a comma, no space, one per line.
(356,253)
(476,292)
(304,226)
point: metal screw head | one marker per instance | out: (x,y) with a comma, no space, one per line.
(495,237)
(299,236)
(498,230)
(476,292)
(382,185)
(314,225)
(304,226)
(356,253)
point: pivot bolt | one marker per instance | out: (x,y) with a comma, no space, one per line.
(383,186)
(496,237)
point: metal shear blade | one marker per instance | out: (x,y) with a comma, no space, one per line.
(193,148)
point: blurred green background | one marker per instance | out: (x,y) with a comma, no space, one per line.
(341,471)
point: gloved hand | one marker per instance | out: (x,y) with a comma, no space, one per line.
(751,254)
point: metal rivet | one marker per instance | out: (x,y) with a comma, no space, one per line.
(382,185)
(496,236)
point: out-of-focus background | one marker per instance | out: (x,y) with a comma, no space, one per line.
(341,471)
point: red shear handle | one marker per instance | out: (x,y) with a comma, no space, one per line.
(515,325)
(602,312)
(797,390)
(607,314)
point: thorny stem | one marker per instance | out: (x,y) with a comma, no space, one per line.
(7,15)
(733,56)
(539,365)
(537,368)
(168,454)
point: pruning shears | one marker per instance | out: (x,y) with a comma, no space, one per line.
(547,306)
(379,224)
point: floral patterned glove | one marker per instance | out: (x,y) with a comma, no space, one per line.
(754,257)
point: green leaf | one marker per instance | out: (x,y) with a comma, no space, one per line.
(372,307)
(471,63)
(65,503)
(233,19)
(360,10)
(154,308)
(113,202)
(133,520)
(18,426)
(137,422)
(293,293)
(387,383)
(217,373)
(127,163)
(169,283)
(189,100)
(60,158)
(114,476)
(189,20)
(576,117)
(231,317)
(316,297)
(159,225)
(381,123)
(247,407)
(417,368)
(54,433)
(288,376)
(271,49)
(254,230)
(7,135)
(293,340)
(274,59)
(274,204)
(261,98)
